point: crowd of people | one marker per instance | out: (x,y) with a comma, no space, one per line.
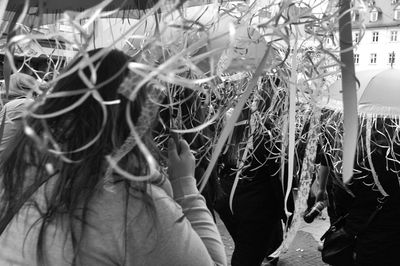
(56,210)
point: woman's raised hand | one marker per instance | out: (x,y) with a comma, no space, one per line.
(180,163)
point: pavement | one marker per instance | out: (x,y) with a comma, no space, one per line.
(304,248)
(302,252)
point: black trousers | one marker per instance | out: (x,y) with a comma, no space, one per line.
(255,224)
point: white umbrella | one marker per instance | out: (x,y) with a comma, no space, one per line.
(332,98)
(378,98)
(381,97)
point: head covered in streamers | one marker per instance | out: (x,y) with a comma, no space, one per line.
(70,133)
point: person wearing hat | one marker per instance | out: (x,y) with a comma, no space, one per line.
(15,103)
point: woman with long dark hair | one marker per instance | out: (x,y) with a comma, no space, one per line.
(62,205)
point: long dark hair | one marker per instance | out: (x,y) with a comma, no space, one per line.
(83,135)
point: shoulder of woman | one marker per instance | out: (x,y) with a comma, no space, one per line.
(124,199)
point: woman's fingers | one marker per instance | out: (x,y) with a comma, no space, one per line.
(184,147)
(182,164)
(172,151)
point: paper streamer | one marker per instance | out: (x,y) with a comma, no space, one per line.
(3,5)
(371,165)
(249,145)
(350,120)
(304,183)
(239,172)
(232,120)
(292,126)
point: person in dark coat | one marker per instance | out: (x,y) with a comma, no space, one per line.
(376,173)
(257,208)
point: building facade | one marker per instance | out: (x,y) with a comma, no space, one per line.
(376,35)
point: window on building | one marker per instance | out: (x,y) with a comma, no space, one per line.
(397,13)
(372,58)
(356,58)
(375,36)
(373,15)
(392,58)
(356,37)
(393,36)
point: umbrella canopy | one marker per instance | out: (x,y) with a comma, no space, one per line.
(381,97)
(378,111)
(48,11)
(43,12)
(56,6)
(40,12)
(332,98)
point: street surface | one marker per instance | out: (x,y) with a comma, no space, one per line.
(302,252)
